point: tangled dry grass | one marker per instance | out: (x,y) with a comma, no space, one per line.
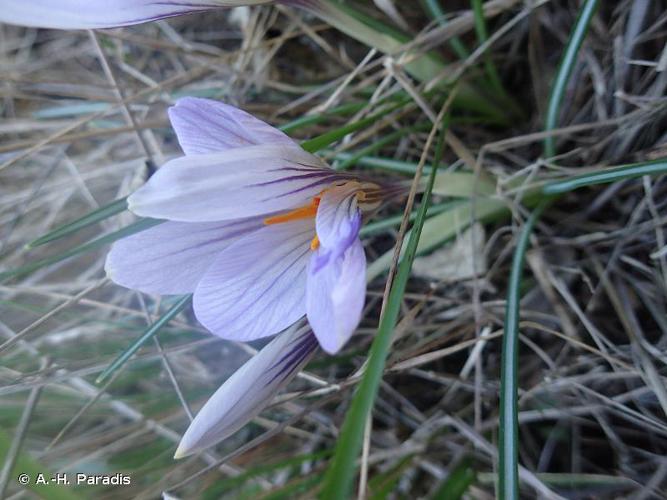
(84,123)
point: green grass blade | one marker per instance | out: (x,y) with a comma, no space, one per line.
(384,484)
(508,467)
(482,36)
(340,474)
(226,485)
(460,184)
(173,311)
(565,70)
(102,213)
(434,10)
(304,121)
(388,164)
(457,482)
(395,220)
(357,156)
(324,140)
(297,488)
(606,176)
(135,227)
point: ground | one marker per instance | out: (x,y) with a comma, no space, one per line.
(84,123)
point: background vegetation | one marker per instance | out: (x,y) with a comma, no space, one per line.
(514,97)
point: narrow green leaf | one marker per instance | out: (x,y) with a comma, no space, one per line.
(460,184)
(434,10)
(457,482)
(102,213)
(395,220)
(353,159)
(226,485)
(606,176)
(297,488)
(508,468)
(383,484)
(388,164)
(482,36)
(307,120)
(173,311)
(340,474)
(135,227)
(324,140)
(565,70)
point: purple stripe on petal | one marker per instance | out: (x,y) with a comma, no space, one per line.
(294,259)
(324,181)
(326,254)
(307,188)
(303,168)
(240,182)
(291,178)
(256,287)
(249,390)
(338,222)
(305,345)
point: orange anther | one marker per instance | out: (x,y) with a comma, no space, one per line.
(296,214)
(315,243)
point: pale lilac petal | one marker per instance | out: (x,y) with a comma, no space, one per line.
(338,207)
(208,126)
(338,222)
(79,14)
(257,286)
(171,258)
(335,297)
(239,183)
(249,390)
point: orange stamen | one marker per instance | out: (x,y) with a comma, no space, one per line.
(315,243)
(296,214)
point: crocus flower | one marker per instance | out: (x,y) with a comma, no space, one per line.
(261,232)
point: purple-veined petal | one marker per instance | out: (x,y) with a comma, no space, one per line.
(238,183)
(171,258)
(256,287)
(335,297)
(249,390)
(337,209)
(338,222)
(81,14)
(208,126)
